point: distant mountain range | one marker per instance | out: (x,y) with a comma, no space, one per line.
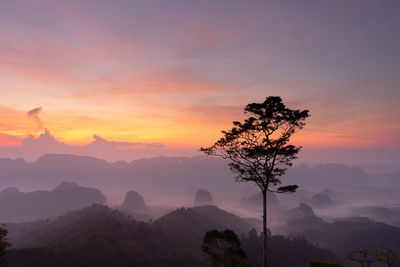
(171,174)
(341,235)
(16,206)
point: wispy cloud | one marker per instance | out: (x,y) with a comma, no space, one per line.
(34,114)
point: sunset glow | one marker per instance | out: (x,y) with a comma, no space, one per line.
(178,74)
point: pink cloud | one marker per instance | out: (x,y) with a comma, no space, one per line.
(32,148)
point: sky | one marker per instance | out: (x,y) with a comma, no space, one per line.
(128,79)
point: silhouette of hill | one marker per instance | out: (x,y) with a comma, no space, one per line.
(203,197)
(382,214)
(9,192)
(300,212)
(17,230)
(133,202)
(135,206)
(22,207)
(97,236)
(171,173)
(342,235)
(188,225)
(293,251)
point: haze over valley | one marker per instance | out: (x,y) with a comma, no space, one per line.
(199,133)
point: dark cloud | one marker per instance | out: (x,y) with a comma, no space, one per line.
(34,114)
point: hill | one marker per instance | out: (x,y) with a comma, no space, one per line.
(100,236)
(18,206)
(187,226)
(173,174)
(97,236)
(342,235)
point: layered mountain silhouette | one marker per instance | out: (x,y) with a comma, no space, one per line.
(171,172)
(16,206)
(133,202)
(100,236)
(9,192)
(382,214)
(135,206)
(203,197)
(190,224)
(342,235)
(97,236)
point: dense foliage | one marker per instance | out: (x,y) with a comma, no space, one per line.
(284,251)
(222,248)
(4,244)
(100,236)
(325,264)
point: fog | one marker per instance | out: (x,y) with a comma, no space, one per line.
(336,207)
(170,182)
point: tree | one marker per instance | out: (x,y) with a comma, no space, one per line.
(259,149)
(325,264)
(222,248)
(388,256)
(360,257)
(4,245)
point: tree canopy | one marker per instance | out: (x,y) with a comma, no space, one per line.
(4,244)
(258,148)
(222,248)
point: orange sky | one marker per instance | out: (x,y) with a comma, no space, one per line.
(131,73)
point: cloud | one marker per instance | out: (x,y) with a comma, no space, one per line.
(100,142)
(34,113)
(32,148)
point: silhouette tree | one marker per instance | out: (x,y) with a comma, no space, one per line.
(222,248)
(259,148)
(4,245)
(389,256)
(360,257)
(325,264)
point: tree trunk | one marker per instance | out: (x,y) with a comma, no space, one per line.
(264,193)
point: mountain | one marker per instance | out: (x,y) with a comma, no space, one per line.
(135,206)
(173,174)
(291,251)
(9,192)
(188,225)
(100,236)
(342,235)
(321,200)
(133,202)
(382,214)
(18,206)
(97,236)
(203,197)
